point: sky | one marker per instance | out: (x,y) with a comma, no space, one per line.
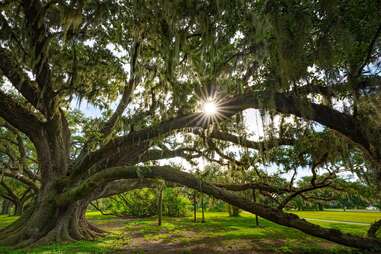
(253,125)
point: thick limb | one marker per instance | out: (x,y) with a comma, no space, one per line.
(173,175)
(372,231)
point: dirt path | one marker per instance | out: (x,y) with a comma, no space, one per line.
(146,238)
(206,245)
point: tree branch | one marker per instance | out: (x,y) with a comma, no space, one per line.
(156,154)
(249,186)
(128,89)
(123,185)
(25,180)
(374,228)
(302,190)
(19,117)
(242,141)
(19,79)
(170,174)
(282,103)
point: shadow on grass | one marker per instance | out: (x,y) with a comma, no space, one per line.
(220,234)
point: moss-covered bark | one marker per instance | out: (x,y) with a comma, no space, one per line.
(172,175)
(372,232)
(46,222)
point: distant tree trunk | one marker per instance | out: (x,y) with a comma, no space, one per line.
(5,206)
(233,211)
(18,208)
(194,207)
(160,204)
(96,206)
(320,207)
(202,208)
(255,201)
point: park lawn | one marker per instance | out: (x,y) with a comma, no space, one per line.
(6,220)
(220,234)
(351,216)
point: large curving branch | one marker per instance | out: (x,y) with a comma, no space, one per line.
(22,119)
(39,39)
(372,231)
(109,125)
(173,175)
(138,137)
(159,154)
(344,124)
(121,186)
(242,141)
(20,177)
(250,186)
(301,107)
(126,96)
(19,79)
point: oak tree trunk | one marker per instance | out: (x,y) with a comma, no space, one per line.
(46,222)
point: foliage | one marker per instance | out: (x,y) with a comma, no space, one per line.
(143,203)
(343,194)
(175,203)
(311,69)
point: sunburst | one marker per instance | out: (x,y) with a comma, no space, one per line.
(211,106)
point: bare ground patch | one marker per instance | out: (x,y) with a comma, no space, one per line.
(149,239)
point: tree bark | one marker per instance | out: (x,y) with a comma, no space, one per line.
(18,208)
(255,201)
(372,232)
(233,211)
(160,206)
(5,206)
(194,207)
(172,175)
(46,222)
(202,208)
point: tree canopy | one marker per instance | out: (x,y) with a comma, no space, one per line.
(310,69)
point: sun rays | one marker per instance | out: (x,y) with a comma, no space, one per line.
(209,107)
(212,106)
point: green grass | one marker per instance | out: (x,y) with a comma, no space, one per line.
(362,217)
(220,232)
(6,220)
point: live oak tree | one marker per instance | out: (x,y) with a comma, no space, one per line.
(146,64)
(18,185)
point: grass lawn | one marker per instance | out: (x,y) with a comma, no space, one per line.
(352,216)
(6,220)
(220,234)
